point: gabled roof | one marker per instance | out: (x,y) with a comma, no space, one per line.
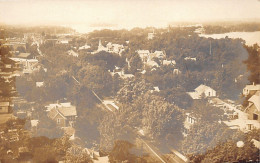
(194,95)
(202,88)
(255,99)
(68,111)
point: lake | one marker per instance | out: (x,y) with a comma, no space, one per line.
(250,37)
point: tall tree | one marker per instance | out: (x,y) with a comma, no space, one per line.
(253,63)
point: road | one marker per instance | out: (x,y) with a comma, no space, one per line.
(174,157)
(154,153)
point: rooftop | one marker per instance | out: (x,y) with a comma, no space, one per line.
(24,55)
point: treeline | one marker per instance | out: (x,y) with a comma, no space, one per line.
(8,31)
(240,27)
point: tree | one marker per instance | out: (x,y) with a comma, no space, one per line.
(204,135)
(135,63)
(252,63)
(96,79)
(121,152)
(229,152)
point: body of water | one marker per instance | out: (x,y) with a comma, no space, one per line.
(250,37)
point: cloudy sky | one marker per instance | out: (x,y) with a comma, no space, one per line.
(124,13)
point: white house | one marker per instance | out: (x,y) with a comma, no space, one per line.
(72,53)
(151,35)
(115,48)
(39,84)
(143,54)
(84,47)
(251,89)
(190,58)
(169,62)
(202,90)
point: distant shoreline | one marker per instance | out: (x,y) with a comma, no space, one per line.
(250,37)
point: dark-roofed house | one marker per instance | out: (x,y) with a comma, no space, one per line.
(4,107)
(63,115)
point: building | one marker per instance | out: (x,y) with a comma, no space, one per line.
(169,62)
(4,107)
(249,118)
(64,114)
(101,47)
(39,84)
(202,90)
(190,120)
(151,35)
(143,54)
(253,108)
(115,48)
(251,89)
(151,63)
(84,47)
(190,58)
(27,65)
(24,55)
(110,48)
(72,53)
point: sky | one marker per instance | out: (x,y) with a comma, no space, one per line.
(124,13)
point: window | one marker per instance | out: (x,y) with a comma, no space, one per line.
(249,126)
(58,120)
(255,117)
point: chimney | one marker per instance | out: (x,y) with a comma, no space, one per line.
(253,83)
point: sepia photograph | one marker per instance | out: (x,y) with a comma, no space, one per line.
(129,81)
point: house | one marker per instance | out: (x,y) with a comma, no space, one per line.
(64,114)
(190,120)
(24,55)
(176,71)
(150,35)
(101,47)
(190,58)
(251,89)
(143,54)
(72,53)
(155,89)
(4,107)
(202,90)
(160,54)
(34,123)
(39,84)
(84,47)
(62,41)
(115,48)
(28,65)
(121,74)
(15,44)
(171,62)
(253,108)
(249,118)
(152,64)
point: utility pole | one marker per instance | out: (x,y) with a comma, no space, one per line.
(210,48)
